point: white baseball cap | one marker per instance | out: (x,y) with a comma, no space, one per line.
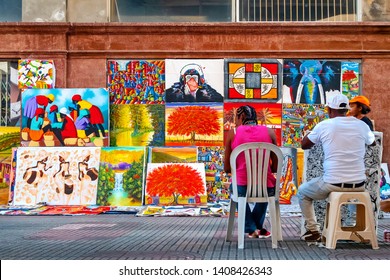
(338,101)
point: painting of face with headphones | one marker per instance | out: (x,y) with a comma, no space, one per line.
(192,87)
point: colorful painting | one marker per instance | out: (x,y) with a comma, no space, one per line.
(310,81)
(137,125)
(350,74)
(194,80)
(9,138)
(65,117)
(217,182)
(136,81)
(288,181)
(298,119)
(36,74)
(269,114)
(172,154)
(56,175)
(176,184)
(198,124)
(253,79)
(12,175)
(121,175)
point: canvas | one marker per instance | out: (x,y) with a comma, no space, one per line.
(288,181)
(298,119)
(56,175)
(196,124)
(172,154)
(217,181)
(257,80)
(65,117)
(194,80)
(350,75)
(121,176)
(310,81)
(136,81)
(34,73)
(137,125)
(175,184)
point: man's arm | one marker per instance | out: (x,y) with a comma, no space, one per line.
(306,143)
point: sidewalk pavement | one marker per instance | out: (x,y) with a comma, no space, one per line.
(127,237)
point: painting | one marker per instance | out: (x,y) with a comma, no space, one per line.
(256,80)
(137,125)
(298,119)
(121,176)
(194,80)
(136,81)
(65,117)
(56,175)
(310,81)
(350,74)
(175,184)
(269,114)
(217,181)
(33,73)
(172,154)
(195,124)
(288,181)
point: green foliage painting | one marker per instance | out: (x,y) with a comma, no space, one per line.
(121,176)
(137,125)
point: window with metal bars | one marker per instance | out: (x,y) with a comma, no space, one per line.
(296,10)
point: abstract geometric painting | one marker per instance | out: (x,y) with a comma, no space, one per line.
(195,124)
(136,81)
(137,125)
(56,175)
(175,184)
(253,79)
(121,176)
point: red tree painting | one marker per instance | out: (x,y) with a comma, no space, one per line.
(192,120)
(174,180)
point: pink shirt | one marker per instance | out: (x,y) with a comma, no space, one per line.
(246,134)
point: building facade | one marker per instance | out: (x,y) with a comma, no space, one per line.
(81,43)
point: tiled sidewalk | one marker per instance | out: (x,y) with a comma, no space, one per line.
(126,237)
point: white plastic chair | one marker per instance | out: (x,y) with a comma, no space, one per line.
(257,157)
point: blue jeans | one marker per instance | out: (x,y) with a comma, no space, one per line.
(255,219)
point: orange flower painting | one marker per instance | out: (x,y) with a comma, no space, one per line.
(176,183)
(194,125)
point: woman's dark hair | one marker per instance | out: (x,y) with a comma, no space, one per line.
(250,114)
(365,108)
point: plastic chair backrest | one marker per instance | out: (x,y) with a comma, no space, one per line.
(257,158)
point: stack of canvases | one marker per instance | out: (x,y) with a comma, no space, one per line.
(164,121)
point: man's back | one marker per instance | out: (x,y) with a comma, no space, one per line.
(344,141)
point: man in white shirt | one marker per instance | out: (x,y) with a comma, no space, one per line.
(344,141)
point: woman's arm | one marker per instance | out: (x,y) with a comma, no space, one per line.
(228,150)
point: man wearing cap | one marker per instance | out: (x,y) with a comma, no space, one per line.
(360,107)
(344,141)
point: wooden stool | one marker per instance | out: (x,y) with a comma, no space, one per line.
(364,229)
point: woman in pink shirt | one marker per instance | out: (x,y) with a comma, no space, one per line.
(247,130)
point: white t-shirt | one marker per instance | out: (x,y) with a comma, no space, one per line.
(344,141)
